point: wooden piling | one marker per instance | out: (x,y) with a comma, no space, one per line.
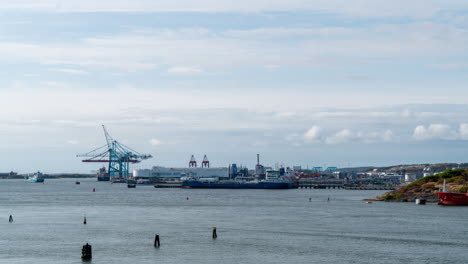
(214,233)
(86,252)
(156,241)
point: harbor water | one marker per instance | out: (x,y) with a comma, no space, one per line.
(253,226)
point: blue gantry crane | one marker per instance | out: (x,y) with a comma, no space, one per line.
(117,155)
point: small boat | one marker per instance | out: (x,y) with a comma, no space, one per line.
(131,185)
(450,198)
(37,177)
(77,182)
(420,201)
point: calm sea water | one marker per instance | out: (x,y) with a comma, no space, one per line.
(253,226)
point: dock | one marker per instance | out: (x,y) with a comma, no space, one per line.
(168,185)
(344,184)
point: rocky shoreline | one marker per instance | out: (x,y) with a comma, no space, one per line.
(427,187)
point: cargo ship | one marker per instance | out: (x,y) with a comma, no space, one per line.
(274,180)
(450,198)
(37,177)
(102,175)
(229,184)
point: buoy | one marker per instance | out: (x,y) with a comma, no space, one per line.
(328,199)
(86,252)
(84,220)
(94,189)
(214,233)
(156,241)
(310,199)
(11,219)
(187,198)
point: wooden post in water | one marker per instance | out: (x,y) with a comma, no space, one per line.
(86,252)
(156,241)
(214,233)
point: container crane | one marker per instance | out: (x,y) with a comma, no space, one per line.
(117,155)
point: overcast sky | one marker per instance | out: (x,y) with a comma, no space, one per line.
(311,83)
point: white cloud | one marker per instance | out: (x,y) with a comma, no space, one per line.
(71,71)
(212,49)
(362,8)
(73,142)
(64,122)
(53,84)
(347,135)
(342,136)
(434,131)
(31,75)
(388,136)
(270,33)
(313,134)
(155,142)
(185,70)
(464,131)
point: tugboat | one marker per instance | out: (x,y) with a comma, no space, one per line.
(450,198)
(37,177)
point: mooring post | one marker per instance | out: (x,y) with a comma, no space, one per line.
(214,233)
(156,241)
(86,252)
(11,219)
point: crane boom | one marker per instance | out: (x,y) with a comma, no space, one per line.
(116,154)
(109,139)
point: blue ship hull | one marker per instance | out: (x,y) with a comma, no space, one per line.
(35,180)
(221,185)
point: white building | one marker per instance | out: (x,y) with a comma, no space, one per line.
(163,172)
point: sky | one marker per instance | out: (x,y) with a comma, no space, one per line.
(312,83)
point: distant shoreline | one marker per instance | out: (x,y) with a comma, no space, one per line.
(60,176)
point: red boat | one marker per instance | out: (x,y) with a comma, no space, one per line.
(449,198)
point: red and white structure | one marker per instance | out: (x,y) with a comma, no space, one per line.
(192,162)
(205,162)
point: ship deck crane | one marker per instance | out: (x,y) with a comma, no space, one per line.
(117,155)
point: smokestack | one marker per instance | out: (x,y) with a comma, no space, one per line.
(258,159)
